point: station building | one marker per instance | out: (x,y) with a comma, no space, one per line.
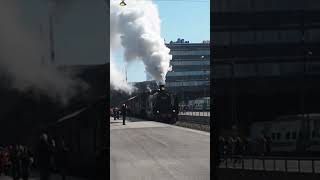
(190,75)
(266,60)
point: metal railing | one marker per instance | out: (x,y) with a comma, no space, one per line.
(195,113)
(191,111)
(271,163)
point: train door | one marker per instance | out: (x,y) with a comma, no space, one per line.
(315,135)
(149,106)
(285,136)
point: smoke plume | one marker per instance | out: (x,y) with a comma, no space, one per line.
(117,79)
(136,28)
(20,58)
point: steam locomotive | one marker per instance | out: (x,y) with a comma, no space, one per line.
(160,105)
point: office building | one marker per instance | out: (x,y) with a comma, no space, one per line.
(266,59)
(190,75)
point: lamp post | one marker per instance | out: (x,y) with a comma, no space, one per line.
(306,117)
(51,30)
(305,121)
(204,74)
(233,99)
(122,3)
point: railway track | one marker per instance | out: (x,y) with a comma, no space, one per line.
(192,122)
(195,119)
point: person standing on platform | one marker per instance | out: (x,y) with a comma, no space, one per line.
(114,113)
(62,159)
(118,113)
(16,162)
(25,163)
(124,113)
(45,152)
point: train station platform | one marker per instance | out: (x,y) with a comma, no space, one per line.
(151,150)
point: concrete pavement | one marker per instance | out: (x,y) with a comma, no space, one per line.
(143,150)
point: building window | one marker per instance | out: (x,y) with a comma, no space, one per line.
(267,36)
(268,69)
(312,35)
(313,67)
(221,38)
(313,134)
(243,37)
(294,135)
(188,83)
(291,68)
(191,52)
(190,63)
(289,36)
(288,135)
(278,136)
(273,136)
(189,73)
(245,70)
(222,71)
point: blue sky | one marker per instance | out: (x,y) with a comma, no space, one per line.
(187,19)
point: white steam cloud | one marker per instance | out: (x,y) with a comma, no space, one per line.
(20,59)
(117,79)
(136,28)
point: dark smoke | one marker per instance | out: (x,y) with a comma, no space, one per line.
(20,59)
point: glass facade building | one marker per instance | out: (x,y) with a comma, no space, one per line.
(190,75)
(266,59)
(265,41)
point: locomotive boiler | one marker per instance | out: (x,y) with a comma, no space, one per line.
(160,105)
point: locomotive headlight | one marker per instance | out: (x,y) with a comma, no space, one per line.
(157,111)
(173,110)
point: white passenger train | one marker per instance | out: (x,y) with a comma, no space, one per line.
(286,132)
(200,104)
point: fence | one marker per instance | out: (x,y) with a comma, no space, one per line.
(193,112)
(265,163)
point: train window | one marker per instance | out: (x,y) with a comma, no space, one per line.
(288,135)
(294,135)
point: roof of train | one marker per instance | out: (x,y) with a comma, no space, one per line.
(79,111)
(71,115)
(132,98)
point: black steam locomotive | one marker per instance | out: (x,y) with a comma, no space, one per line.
(159,105)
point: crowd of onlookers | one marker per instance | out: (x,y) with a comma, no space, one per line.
(16,161)
(50,155)
(238,146)
(115,113)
